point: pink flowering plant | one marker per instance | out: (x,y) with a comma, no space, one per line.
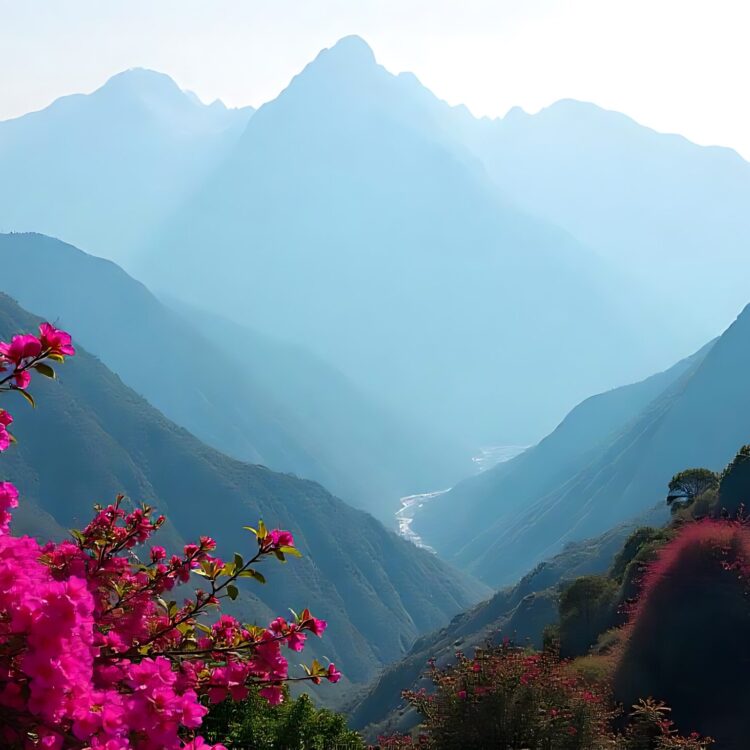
(93,652)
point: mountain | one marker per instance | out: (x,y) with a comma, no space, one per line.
(520,612)
(501,494)
(100,169)
(698,419)
(349,218)
(251,397)
(658,206)
(93,437)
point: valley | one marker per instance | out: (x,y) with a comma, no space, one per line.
(239,343)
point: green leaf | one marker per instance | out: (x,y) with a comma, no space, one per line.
(27,396)
(45,370)
(293,551)
(250,573)
(56,357)
(238,561)
(232,591)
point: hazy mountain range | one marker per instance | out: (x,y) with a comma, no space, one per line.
(101,170)
(253,398)
(444,264)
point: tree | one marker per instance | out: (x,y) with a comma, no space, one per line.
(690,484)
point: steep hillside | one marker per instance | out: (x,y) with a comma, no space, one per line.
(698,420)
(350,220)
(93,437)
(501,495)
(260,400)
(520,612)
(99,169)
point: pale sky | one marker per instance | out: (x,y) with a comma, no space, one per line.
(675,65)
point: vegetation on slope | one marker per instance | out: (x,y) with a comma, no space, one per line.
(378,592)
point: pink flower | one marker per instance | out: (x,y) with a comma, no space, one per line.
(295,640)
(158,553)
(22,379)
(282,538)
(57,341)
(313,624)
(5,420)
(200,744)
(8,500)
(333,674)
(21,348)
(273,694)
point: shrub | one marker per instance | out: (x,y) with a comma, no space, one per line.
(93,654)
(508,697)
(686,640)
(734,488)
(296,724)
(588,607)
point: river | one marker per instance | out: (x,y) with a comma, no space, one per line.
(410,505)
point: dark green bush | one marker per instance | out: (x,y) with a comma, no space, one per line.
(293,725)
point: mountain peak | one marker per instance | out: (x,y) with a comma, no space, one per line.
(351,49)
(142,81)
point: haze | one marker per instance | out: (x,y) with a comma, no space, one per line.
(674,66)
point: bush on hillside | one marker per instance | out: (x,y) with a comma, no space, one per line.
(507,698)
(588,607)
(734,488)
(686,641)
(295,724)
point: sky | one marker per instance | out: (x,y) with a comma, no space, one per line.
(674,65)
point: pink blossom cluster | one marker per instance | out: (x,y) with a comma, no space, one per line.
(93,653)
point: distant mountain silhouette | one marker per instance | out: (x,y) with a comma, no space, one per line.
(349,219)
(254,398)
(571,486)
(92,437)
(660,207)
(99,170)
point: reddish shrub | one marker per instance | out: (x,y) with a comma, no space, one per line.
(686,640)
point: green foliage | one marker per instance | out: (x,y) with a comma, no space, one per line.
(297,724)
(641,538)
(734,488)
(689,484)
(588,606)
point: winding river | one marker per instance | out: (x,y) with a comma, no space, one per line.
(410,505)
